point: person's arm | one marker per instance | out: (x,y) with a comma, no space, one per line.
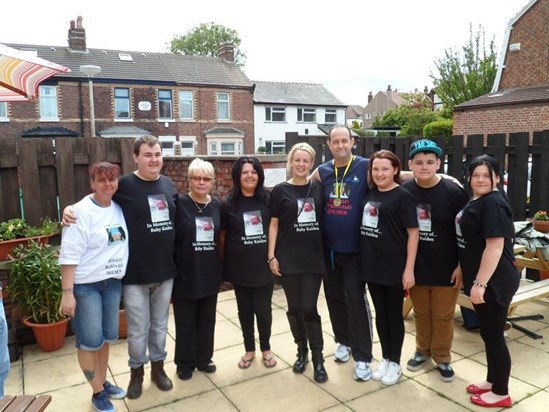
(68,302)
(271,258)
(222,239)
(315,175)
(488,264)
(69,216)
(408,277)
(406,175)
(457,277)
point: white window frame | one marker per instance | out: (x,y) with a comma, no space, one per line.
(163,100)
(4,112)
(186,100)
(330,113)
(223,107)
(185,142)
(306,115)
(272,114)
(276,144)
(49,110)
(122,104)
(215,146)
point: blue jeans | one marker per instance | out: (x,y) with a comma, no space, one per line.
(96,317)
(147,313)
(4,353)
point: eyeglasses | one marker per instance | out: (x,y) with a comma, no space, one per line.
(201,179)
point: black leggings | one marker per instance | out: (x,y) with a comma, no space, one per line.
(255,301)
(492,317)
(301,291)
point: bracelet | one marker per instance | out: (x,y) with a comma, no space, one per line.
(66,289)
(271,259)
(479,284)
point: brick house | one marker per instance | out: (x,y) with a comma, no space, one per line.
(206,103)
(519,100)
(379,104)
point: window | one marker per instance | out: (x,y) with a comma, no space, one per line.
(224,146)
(165,104)
(3,111)
(228,148)
(330,117)
(186,104)
(48,103)
(275,114)
(223,106)
(306,115)
(121,103)
(276,147)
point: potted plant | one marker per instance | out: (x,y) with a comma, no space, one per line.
(541,221)
(34,284)
(16,231)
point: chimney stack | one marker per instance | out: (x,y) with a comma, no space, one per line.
(77,36)
(370,97)
(226,52)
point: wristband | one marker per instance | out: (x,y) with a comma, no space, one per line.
(271,259)
(479,284)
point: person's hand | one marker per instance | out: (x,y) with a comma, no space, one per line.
(457,278)
(69,217)
(68,304)
(408,280)
(275,267)
(477,294)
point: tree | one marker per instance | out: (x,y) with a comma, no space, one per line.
(205,39)
(462,77)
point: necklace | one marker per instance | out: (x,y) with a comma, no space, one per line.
(200,209)
(339,186)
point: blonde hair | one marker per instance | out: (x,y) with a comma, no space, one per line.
(202,166)
(306,147)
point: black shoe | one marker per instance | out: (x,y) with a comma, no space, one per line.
(184,373)
(135,386)
(207,368)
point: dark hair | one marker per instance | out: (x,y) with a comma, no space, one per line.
(235,194)
(148,140)
(109,170)
(491,163)
(339,126)
(385,154)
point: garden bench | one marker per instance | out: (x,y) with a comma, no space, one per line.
(25,403)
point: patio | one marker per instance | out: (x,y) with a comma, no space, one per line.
(279,389)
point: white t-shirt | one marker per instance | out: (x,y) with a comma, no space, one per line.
(97,243)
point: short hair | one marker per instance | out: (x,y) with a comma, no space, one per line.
(106,169)
(340,126)
(149,140)
(199,165)
(306,147)
(385,154)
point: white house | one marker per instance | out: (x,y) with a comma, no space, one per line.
(293,107)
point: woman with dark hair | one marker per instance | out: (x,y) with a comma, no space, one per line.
(243,242)
(389,238)
(485,233)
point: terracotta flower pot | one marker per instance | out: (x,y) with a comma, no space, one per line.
(541,225)
(49,336)
(6,246)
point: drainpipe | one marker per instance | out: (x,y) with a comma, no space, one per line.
(81,107)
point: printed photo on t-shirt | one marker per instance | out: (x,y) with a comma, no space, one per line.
(253,225)
(116,234)
(204,229)
(458,223)
(424,217)
(370,215)
(158,206)
(306,210)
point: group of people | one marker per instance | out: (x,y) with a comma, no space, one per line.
(348,224)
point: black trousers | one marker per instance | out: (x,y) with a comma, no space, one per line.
(349,309)
(255,302)
(301,290)
(389,321)
(492,317)
(194,331)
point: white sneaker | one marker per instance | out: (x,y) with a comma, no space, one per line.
(393,374)
(381,369)
(362,371)
(342,353)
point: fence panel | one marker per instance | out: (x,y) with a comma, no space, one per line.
(9,180)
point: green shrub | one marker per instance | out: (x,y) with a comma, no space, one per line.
(442,127)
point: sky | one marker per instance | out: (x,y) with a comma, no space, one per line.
(351,48)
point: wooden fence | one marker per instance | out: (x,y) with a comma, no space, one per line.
(515,152)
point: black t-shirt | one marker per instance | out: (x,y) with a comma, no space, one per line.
(383,235)
(247,227)
(149,208)
(299,247)
(437,207)
(196,249)
(482,218)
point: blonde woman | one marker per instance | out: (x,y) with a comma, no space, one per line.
(295,254)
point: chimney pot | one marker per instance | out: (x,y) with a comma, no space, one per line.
(77,36)
(226,51)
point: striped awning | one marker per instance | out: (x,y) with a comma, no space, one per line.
(22,72)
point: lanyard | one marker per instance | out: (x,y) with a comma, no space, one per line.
(338,185)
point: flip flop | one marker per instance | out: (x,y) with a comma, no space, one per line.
(270,361)
(245,363)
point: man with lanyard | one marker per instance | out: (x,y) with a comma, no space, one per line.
(344,183)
